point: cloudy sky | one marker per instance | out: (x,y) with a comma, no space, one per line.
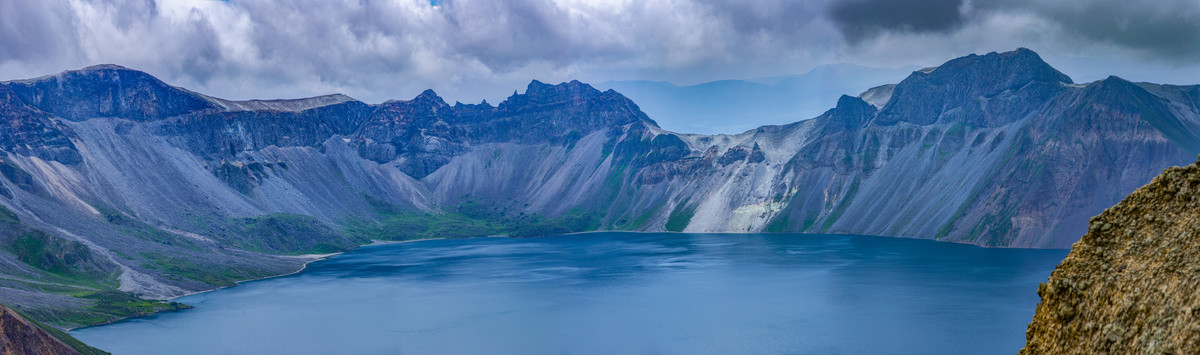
(472,49)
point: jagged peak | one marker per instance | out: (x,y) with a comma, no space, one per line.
(481,105)
(425,97)
(540,89)
(853,106)
(1113,79)
(542,93)
(849,113)
(847,102)
(1112,83)
(1021,66)
(429,96)
(535,85)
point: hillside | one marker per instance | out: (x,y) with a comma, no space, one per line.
(118,188)
(21,336)
(1132,283)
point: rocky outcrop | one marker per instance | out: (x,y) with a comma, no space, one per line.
(1132,283)
(28,131)
(18,336)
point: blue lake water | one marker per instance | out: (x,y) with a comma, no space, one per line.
(609,293)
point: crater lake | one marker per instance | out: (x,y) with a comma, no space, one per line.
(613,292)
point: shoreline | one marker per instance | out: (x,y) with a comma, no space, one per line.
(312,258)
(805,233)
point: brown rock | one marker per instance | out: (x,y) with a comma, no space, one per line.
(19,336)
(1132,283)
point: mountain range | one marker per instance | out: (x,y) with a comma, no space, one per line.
(118,189)
(734,106)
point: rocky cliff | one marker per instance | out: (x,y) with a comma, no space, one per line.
(120,188)
(20,336)
(1132,283)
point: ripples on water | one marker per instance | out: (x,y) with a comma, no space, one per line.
(618,293)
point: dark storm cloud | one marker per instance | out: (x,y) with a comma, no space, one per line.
(1162,29)
(1168,29)
(380,49)
(535,31)
(858,19)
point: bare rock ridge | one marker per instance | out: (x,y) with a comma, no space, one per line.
(19,336)
(1132,283)
(117,187)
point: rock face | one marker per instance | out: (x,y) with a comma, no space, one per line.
(1132,283)
(172,192)
(19,337)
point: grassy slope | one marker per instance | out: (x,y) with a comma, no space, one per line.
(69,268)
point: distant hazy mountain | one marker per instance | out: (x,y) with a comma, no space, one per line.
(114,184)
(735,106)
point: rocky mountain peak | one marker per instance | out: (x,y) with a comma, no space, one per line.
(1114,99)
(429,97)
(952,91)
(851,103)
(426,105)
(107,91)
(850,113)
(541,93)
(100,67)
(1014,68)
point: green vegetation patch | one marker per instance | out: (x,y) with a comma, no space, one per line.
(141,230)
(280,233)
(407,225)
(215,275)
(680,217)
(64,258)
(107,306)
(8,219)
(778,224)
(644,218)
(468,219)
(841,206)
(241,176)
(573,221)
(16,175)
